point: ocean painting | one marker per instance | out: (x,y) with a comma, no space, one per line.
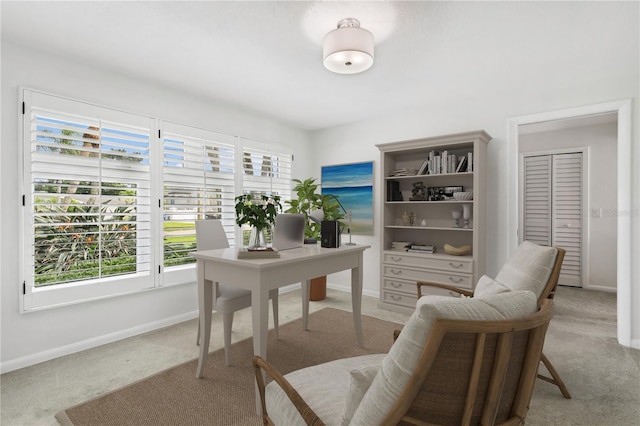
(353,185)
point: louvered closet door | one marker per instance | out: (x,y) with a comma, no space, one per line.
(567,215)
(537,199)
(552,208)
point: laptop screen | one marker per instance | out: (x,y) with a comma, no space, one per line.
(289,231)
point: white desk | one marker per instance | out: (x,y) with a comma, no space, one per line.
(262,275)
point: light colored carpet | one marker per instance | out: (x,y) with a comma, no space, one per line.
(226,396)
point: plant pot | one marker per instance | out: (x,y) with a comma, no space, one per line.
(318,288)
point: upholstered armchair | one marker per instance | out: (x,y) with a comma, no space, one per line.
(532,267)
(456,361)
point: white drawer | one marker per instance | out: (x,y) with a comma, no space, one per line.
(442,262)
(412,274)
(399,299)
(408,287)
(409,300)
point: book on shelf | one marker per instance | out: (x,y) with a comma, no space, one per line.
(423,168)
(400,245)
(421,250)
(268,253)
(403,172)
(422,247)
(462,165)
(444,158)
(470,161)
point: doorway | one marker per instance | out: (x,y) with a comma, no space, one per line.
(622,109)
(552,206)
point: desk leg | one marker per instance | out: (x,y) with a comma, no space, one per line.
(260,322)
(306,285)
(356,299)
(205,302)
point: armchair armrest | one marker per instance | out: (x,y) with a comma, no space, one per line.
(458,290)
(309,416)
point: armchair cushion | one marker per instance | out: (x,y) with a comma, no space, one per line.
(361,380)
(487,287)
(528,269)
(403,356)
(324,387)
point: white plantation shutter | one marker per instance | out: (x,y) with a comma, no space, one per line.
(537,200)
(267,170)
(567,214)
(87,199)
(198,183)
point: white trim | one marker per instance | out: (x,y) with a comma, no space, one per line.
(601,288)
(624,248)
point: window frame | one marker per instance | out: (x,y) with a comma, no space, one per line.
(52,296)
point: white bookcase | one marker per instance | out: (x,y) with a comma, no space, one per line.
(430,221)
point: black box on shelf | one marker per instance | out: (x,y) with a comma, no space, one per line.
(393,191)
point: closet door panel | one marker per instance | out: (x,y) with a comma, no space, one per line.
(537,200)
(567,214)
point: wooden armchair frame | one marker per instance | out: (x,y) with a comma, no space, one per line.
(469,372)
(548,292)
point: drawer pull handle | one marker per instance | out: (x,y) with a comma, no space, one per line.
(395,285)
(458,266)
(396,259)
(456,280)
(396,298)
(396,271)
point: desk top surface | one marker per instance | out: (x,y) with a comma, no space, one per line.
(305,253)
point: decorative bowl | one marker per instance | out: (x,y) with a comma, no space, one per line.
(463,195)
(457,251)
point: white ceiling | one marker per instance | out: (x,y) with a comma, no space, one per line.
(265,56)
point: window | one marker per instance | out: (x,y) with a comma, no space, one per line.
(111,198)
(266,171)
(198,183)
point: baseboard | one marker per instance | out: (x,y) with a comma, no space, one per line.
(93,342)
(32,359)
(347,289)
(599,288)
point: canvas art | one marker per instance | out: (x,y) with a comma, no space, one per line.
(353,185)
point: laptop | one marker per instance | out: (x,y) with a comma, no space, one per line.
(289,231)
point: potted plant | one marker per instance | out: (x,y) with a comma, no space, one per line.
(307,201)
(260,213)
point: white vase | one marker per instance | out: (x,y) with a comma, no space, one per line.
(456,214)
(466,214)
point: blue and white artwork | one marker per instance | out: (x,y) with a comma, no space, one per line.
(353,185)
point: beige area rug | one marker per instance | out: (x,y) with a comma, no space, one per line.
(226,395)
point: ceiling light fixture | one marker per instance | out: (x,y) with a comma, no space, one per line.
(348,49)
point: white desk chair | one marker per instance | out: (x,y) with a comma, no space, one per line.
(210,235)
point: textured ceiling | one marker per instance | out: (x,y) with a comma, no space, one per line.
(265,56)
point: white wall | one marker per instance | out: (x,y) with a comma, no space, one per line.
(34,337)
(601,194)
(547,90)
